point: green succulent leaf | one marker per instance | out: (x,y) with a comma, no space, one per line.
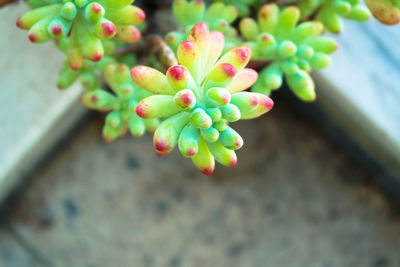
(244,6)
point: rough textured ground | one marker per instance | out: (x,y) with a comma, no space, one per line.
(295,199)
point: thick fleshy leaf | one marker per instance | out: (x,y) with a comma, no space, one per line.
(128,15)
(268,17)
(302,85)
(287,22)
(167,134)
(215,49)
(306,30)
(178,77)
(223,155)
(99,99)
(252,105)
(116,74)
(238,57)
(128,34)
(152,80)
(137,126)
(200,35)
(189,141)
(30,18)
(203,159)
(210,135)
(189,56)
(217,97)
(323,44)
(249,28)
(243,80)
(157,106)
(230,113)
(185,99)
(231,139)
(200,119)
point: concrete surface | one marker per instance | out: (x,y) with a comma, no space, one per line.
(34,114)
(295,199)
(361,89)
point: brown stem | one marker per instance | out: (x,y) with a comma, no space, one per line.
(6,2)
(136,48)
(154,45)
(257,64)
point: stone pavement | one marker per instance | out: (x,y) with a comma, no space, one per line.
(295,199)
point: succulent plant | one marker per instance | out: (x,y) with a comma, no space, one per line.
(85,22)
(199,97)
(386,11)
(292,49)
(121,105)
(329,12)
(242,5)
(90,73)
(217,16)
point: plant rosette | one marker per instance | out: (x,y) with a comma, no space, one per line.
(291,49)
(199,98)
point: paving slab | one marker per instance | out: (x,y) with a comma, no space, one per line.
(12,254)
(34,114)
(295,199)
(361,90)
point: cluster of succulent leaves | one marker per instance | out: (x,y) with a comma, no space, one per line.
(292,49)
(244,6)
(194,103)
(329,12)
(121,104)
(86,23)
(217,16)
(199,97)
(90,73)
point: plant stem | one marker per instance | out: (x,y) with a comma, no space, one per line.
(153,45)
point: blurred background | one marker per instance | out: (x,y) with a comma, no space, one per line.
(316,184)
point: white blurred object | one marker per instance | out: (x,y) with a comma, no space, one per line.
(361,89)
